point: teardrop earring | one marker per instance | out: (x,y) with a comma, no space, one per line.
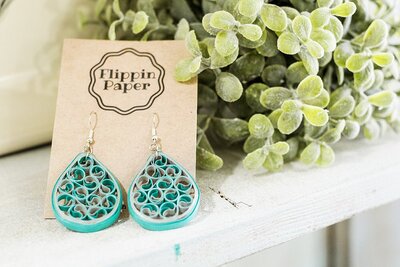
(163,195)
(87,197)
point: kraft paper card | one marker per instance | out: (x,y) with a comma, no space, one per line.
(124,82)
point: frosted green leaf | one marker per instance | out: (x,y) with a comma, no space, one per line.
(296,72)
(182,30)
(183,70)
(117,9)
(343,107)
(273,162)
(255,159)
(326,157)
(222,20)
(382,59)
(315,115)
(147,6)
(128,19)
(108,13)
(269,48)
(382,99)
(325,3)
(111,30)
(310,87)
(207,25)
(342,53)
(288,43)
(255,42)
(195,64)
(310,154)
(376,34)
(335,26)
(260,126)
(361,108)
(219,61)
(207,160)
(323,62)
(340,75)
(207,100)
(344,10)
(226,43)
(325,38)
(320,17)
(365,118)
(228,87)
(192,44)
(278,59)
(314,132)
(274,17)
(274,75)
(339,93)
(274,117)
(322,100)
(82,19)
(291,105)
(364,79)
(250,31)
(280,148)
(289,122)
(140,22)
(246,43)
(99,7)
(333,135)
(249,8)
(371,130)
(252,144)
(231,130)
(302,27)
(379,78)
(351,130)
(293,149)
(273,97)
(248,67)
(310,63)
(315,49)
(291,12)
(253,93)
(357,62)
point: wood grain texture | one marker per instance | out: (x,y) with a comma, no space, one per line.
(284,206)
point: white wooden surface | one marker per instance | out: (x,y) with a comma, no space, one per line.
(285,205)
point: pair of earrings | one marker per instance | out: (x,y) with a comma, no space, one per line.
(87,197)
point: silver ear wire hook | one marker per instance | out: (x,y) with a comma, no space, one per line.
(156,141)
(156,121)
(92,122)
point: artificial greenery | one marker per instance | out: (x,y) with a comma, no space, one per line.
(286,78)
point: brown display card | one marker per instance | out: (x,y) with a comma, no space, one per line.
(124,82)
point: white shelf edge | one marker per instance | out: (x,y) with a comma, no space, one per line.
(285,205)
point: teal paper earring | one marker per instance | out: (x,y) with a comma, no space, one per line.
(87,197)
(163,195)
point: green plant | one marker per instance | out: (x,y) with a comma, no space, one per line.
(286,78)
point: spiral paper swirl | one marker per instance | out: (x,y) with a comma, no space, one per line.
(163,190)
(86,191)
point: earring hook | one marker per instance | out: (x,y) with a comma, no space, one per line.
(92,125)
(156,121)
(92,122)
(156,144)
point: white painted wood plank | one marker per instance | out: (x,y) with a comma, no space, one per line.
(285,205)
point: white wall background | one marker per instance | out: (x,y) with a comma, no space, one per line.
(31,34)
